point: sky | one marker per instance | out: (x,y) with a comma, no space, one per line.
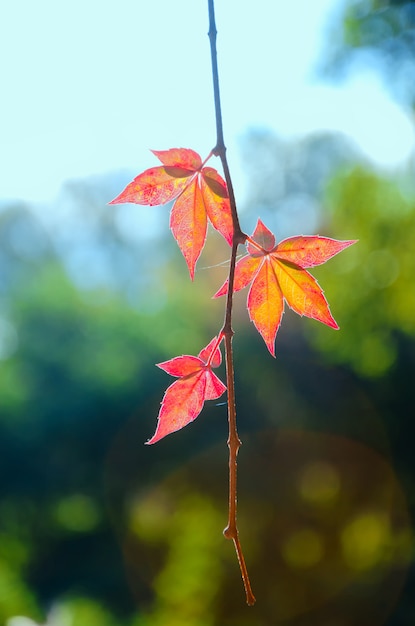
(89,86)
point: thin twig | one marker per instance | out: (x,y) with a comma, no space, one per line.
(239,237)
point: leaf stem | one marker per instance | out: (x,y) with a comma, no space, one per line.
(239,237)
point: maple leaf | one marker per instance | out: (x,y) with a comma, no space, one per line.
(199,192)
(184,399)
(277,274)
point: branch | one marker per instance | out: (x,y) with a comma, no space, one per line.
(239,237)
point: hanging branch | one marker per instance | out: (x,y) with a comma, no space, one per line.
(275,272)
(234,443)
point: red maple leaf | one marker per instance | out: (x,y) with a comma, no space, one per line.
(184,399)
(199,192)
(277,274)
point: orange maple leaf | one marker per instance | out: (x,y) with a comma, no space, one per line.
(184,399)
(199,192)
(278,274)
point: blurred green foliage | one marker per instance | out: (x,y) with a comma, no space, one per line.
(371,286)
(379,34)
(97,528)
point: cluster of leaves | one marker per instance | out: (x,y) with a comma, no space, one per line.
(276,272)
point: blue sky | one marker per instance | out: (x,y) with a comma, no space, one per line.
(88,87)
